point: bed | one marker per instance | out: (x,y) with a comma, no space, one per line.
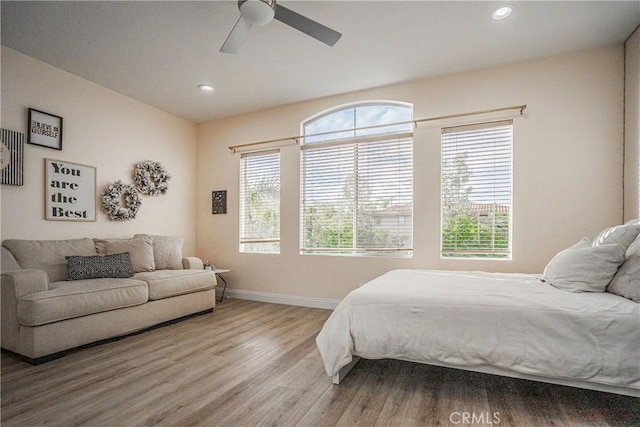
(508,324)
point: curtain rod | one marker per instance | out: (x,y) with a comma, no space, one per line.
(233,148)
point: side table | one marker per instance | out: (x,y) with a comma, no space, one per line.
(219,272)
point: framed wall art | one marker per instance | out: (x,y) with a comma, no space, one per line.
(45,129)
(11,157)
(219,202)
(70,191)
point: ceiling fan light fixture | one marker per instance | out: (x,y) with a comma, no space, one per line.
(262,12)
(501,12)
(257,12)
(205,88)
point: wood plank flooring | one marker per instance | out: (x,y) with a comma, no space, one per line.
(256,364)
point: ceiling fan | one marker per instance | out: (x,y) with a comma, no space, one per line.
(261,12)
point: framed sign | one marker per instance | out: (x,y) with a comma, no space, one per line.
(45,129)
(70,191)
(219,202)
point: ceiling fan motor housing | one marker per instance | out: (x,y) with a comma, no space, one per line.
(262,12)
(257,12)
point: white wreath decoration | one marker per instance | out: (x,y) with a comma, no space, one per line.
(112,199)
(151,178)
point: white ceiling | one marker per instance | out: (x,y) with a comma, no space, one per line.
(158,52)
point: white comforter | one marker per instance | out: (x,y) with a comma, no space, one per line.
(510,321)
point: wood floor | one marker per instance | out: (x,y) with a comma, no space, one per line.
(251,363)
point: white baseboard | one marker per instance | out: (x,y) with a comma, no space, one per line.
(328,304)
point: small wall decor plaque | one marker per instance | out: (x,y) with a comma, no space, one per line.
(70,191)
(45,129)
(219,202)
(11,157)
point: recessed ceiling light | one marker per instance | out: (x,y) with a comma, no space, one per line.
(501,12)
(205,87)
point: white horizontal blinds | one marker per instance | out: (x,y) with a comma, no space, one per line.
(477,190)
(357,196)
(260,202)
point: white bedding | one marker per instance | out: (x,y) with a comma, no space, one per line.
(510,321)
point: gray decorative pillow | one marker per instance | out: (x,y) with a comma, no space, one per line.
(626,282)
(140,252)
(167,251)
(622,235)
(98,266)
(583,267)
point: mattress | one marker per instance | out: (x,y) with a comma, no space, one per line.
(514,322)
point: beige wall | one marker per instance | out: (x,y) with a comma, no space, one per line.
(632,127)
(567,171)
(104,129)
(567,165)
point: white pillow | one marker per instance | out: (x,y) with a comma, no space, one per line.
(626,282)
(583,267)
(623,235)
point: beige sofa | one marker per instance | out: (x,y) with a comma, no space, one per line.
(61,294)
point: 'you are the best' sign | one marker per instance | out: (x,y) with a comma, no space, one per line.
(70,191)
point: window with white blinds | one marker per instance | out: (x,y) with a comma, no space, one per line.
(357,191)
(477,190)
(260,202)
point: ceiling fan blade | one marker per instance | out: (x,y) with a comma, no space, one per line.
(237,36)
(308,26)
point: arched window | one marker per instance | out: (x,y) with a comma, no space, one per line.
(357,181)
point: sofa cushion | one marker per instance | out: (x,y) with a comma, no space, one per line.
(140,251)
(49,255)
(98,266)
(66,300)
(167,251)
(169,283)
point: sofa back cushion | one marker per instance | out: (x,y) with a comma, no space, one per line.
(9,262)
(49,255)
(167,251)
(140,251)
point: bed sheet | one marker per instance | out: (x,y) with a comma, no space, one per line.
(510,321)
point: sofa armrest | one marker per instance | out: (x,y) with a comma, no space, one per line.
(192,263)
(14,285)
(24,282)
